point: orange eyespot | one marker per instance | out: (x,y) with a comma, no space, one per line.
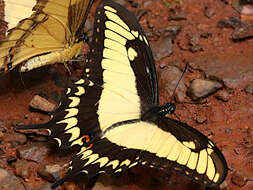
(87,139)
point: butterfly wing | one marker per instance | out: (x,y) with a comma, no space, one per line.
(17,11)
(47,30)
(78,9)
(167,144)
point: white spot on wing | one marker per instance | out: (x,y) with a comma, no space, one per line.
(108,8)
(116,37)
(135,33)
(115,18)
(81,81)
(68,90)
(91,158)
(75,133)
(102,161)
(132,54)
(71,122)
(190,144)
(91,83)
(58,140)
(80,91)
(118,170)
(86,153)
(75,101)
(49,132)
(114,164)
(120,30)
(145,40)
(133,164)
(71,112)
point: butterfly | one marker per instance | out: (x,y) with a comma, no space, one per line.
(42,32)
(114,116)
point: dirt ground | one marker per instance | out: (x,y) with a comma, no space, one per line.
(209,41)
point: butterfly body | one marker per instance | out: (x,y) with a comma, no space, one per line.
(116,105)
(59,56)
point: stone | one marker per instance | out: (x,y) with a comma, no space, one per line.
(14,138)
(242,32)
(239,178)
(10,182)
(162,47)
(35,152)
(200,88)
(42,104)
(249,88)
(232,70)
(222,95)
(209,12)
(22,169)
(168,79)
(49,172)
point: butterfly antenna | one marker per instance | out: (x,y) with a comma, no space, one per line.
(179,80)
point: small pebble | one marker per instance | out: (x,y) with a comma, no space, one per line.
(35,152)
(239,178)
(169,77)
(232,22)
(49,172)
(22,169)
(209,12)
(222,95)
(10,182)
(15,139)
(223,185)
(228,130)
(200,88)
(42,104)
(242,32)
(249,88)
(201,119)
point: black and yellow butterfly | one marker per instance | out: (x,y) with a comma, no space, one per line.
(42,32)
(113,113)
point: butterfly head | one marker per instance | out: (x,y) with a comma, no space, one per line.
(83,37)
(167,108)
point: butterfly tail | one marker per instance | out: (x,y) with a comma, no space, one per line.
(33,126)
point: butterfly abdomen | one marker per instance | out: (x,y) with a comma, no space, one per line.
(51,58)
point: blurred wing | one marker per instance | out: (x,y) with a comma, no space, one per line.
(46,30)
(77,15)
(15,11)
